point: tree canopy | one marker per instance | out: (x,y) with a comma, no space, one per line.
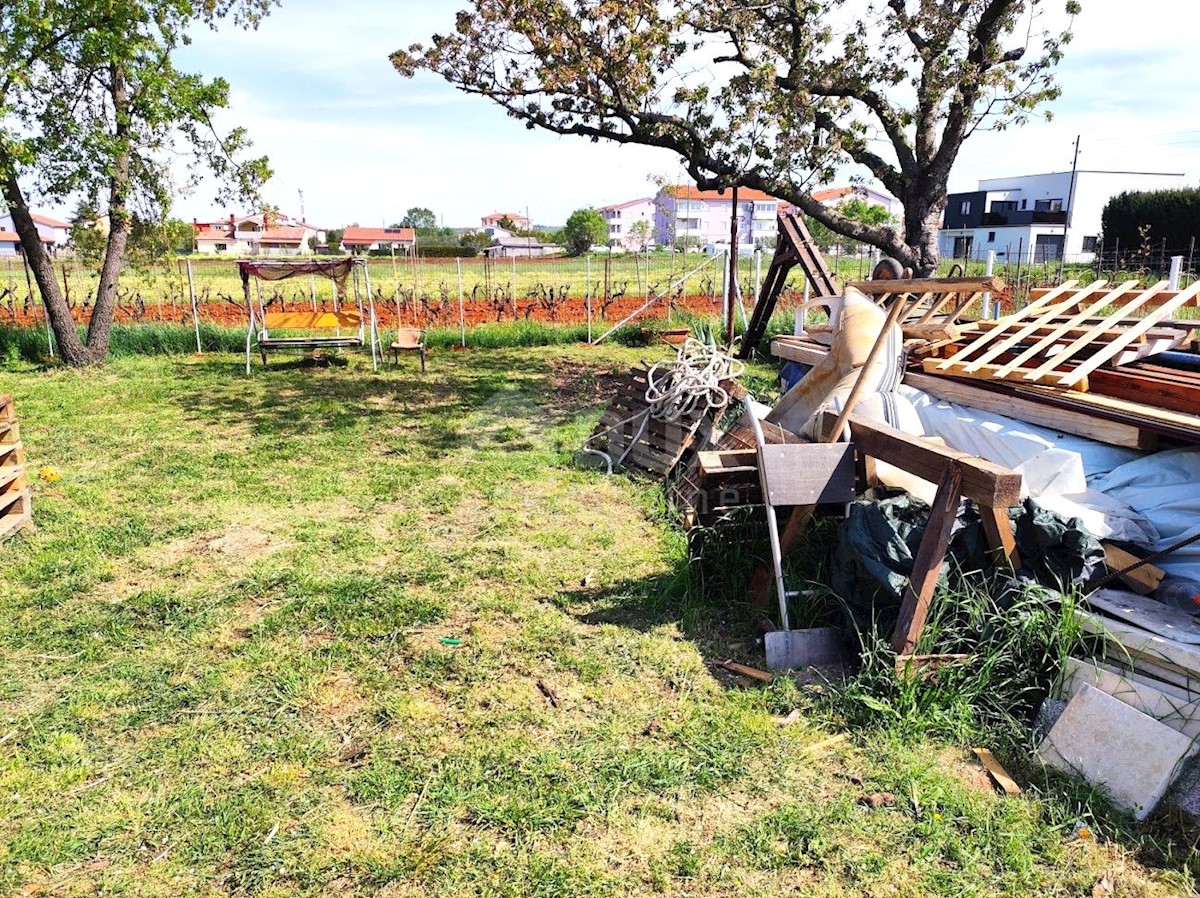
(92,105)
(419,218)
(584,229)
(778,95)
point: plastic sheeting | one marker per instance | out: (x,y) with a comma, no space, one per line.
(1165,487)
(1060,471)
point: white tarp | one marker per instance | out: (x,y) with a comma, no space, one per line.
(1165,487)
(1059,469)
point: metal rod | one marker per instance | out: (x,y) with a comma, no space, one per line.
(733,257)
(192,297)
(462,318)
(772,522)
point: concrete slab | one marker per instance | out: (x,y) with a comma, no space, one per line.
(1181,716)
(1113,745)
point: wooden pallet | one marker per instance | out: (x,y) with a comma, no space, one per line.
(16,509)
(650,447)
(1063,336)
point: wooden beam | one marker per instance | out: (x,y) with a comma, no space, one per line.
(987,336)
(1143,579)
(1079,423)
(992,372)
(927,564)
(985,482)
(932,285)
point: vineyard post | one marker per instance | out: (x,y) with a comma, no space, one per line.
(192,299)
(587,292)
(312,292)
(462,318)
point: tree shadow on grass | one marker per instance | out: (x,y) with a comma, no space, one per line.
(296,398)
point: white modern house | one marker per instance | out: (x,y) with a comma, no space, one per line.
(1038,218)
(621,219)
(260,234)
(55,234)
(701,217)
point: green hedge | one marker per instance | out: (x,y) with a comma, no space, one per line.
(1171,215)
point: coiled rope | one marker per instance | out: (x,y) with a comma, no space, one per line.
(689,385)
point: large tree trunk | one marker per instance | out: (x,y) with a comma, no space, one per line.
(119,224)
(922,221)
(57,311)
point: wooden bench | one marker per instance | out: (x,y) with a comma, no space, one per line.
(295,321)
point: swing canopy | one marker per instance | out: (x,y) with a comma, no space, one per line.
(335,269)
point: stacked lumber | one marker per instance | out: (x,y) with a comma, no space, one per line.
(15,502)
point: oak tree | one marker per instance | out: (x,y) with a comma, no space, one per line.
(92,105)
(778,95)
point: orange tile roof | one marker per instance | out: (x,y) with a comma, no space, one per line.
(9,236)
(627,203)
(282,235)
(831,193)
(367,236)
(688,192)
(48,221)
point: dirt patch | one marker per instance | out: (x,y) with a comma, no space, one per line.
(576,387)
(243,542)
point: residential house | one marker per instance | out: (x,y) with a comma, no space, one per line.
(510,247)
(683,213)
(55,234)
(357,240)
(260,234)
(519,222)
(621,218)
(1038,218)
(835,196)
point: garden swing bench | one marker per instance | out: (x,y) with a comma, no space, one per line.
(360,321)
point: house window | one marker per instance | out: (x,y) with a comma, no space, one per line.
(1089,244)
(1054,205)
(616,229)
(966,207)
(991,236)
(1004,206)
(221,247)
(1024,203)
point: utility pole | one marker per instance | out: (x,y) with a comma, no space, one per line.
(1062,262)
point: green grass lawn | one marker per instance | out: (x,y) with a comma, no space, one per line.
(292,634)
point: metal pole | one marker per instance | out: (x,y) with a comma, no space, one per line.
(1062,263)
(987,297)
(371,307)
(192,297)
(733,259)
(587,292)
(462,319)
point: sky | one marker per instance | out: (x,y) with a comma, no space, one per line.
(314,87)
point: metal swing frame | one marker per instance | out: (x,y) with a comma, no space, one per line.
(258,332)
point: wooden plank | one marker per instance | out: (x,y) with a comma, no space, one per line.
(1063,420)
(996,347)
(986,337)
(1143,579)
(1186,425)
(985,482)
(998,773)
(933,285)
(1179,714)
(1057,331)
(808,473)
(991,372)
(1147,614)
(794,349)
(1164,296)
(1117,316)
(997,528)
(927,563)
(12,476)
